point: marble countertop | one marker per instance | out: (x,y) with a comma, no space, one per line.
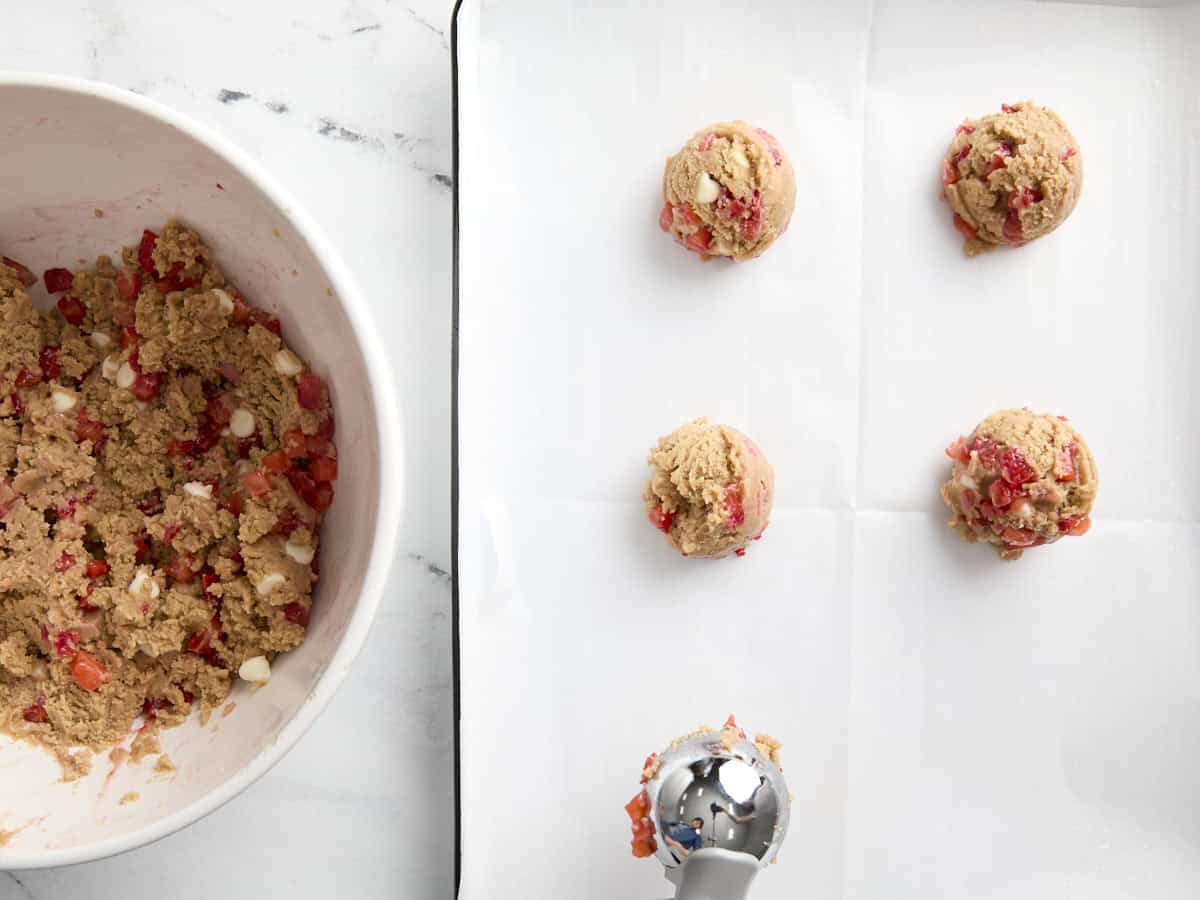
(348,104)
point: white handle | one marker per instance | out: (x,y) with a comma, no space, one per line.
(714,874)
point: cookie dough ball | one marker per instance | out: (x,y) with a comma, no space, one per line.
(711,490)
(1020,480)
(729,192)
(1011,177)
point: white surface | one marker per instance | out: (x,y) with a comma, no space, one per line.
(360,807)
(954,726)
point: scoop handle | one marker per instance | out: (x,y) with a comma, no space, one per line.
(714,874)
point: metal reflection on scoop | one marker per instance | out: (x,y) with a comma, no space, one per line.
(719,789)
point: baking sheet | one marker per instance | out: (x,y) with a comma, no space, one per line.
(954,726)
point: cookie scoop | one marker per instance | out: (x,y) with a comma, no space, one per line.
(1020,480)
(711,490)
(729,192)
(714,810)
(1011,177)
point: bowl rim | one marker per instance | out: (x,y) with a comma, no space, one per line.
(390,489)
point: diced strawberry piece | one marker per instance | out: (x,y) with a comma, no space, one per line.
(740,551)
(65,510)
(296,613)
(199,642)
(958,451)
(1066,463)
(181,568)
(95,568)
(316,445)
(276,461)
(151,504)
(751,226)
(72,309)
(308,391)
(1066,153)
(24,276)
(66,644)
(89,673)
(35,712)
(230,373)
(326,428)
(82,602)
(1000,493)
(18,408)
(650,761)
(688,214)
(257,483)
(141,545)
(267,321)
(735,513)
(1024,198)
(729,206)
(322,497)
(1014,230)
(968,499)
(1074,525)
(301,482)
(989,511)
(151,706)
(147,385)
(218,411)
(286,523)
(129,337)
(25,378)
(965,127)
(146,252)
(967,231)
(323,468)
(188,696)
(245,445)
(48,362)
(176,447)
(706,141)
(129,283)
(660,518)
(171,531)
(666,217)
(64,563)
(1018,537)
(772,146)
(208,578)
(1015,468)
(949,173)
(1000,157)
(639,807)
(985,449)
(234,503)
(89,429)
(135,360)
(1004,107)
(294,444)
(58,280)
(208,436)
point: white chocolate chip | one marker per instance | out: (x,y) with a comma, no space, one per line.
(100,340)
(126,376)
(143,583)
(968,482)
(707,190)
(225,300)
(199,489)
(287,363)
(739,157)
(255,670)
(268,583)
(241,423)
(301,553)
(63,401)
(109,368)
(243,466)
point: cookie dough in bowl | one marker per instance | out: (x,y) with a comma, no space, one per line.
(711,490)
(60,211)
(1020,480)
(729,192)
(1011,177)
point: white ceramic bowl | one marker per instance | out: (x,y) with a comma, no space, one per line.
(67,149)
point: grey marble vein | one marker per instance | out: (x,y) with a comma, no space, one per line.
(431,567)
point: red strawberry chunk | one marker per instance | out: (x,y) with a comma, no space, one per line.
(1066,153)
(660,518)
(752,225)
(1014,231)
(989,511)
(129,283)
(698,242)
(25,378)
(181,568)
(95,568)
(949,173)
(58,280)
(665,217)
(1004,107)
(176,447)
(323,468)
(1018,537)
(1024,198)
(89,429)
(688,214)
(296,613)
(308,390)
(35,712)
(322,497)
(967,231)
(1075,525)
(257,483)
(146,252)
(89,673)
(276,461)
(1000,493)
(985,449)
(968,499)
(218,410)
(729,206)
(65,562)
(171,531)
(706,141)
(234,503)
(286,523)
(147,385)
(72,309)
(1000,157)
(735,513)
(639,807)
(1015,468)
(958,451)
(151,706)
(294,444)
(48,362)
(965,127)
(24,276)
(1066,463)
(66,644)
